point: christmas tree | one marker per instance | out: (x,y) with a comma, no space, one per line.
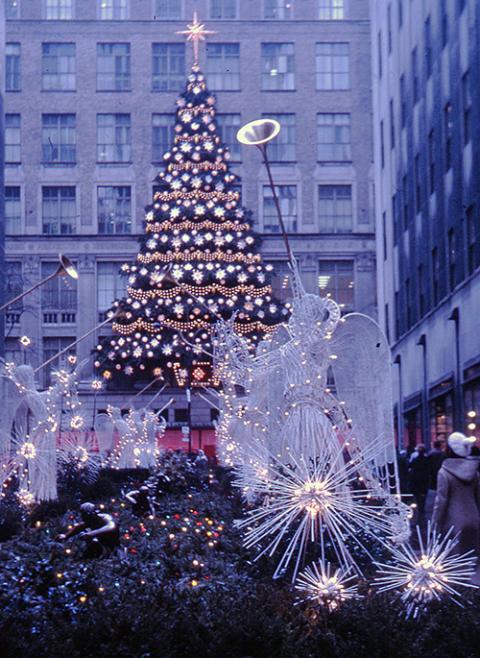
(198,260)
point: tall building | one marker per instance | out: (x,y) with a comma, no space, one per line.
(426,82)
(90,99)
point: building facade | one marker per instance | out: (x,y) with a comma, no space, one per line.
(426,82)
(90,98)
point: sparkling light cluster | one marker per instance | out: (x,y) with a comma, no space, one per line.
(326,586)
(436,572)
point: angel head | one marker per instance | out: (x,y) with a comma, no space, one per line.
(313,316)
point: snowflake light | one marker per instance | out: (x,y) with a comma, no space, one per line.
(436,573)
(325,586)
(313,501)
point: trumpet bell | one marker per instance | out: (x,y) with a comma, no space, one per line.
(258,132)
(67,267)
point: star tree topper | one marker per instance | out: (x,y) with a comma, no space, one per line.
(196,32)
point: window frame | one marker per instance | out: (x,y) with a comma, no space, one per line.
(288,76)
(174,80)
(114,186)
(59,224)
(60,145)
(230,79)
(125,77)
(59,74)
(334,69)
(335,184)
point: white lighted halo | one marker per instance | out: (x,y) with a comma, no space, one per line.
(257,132)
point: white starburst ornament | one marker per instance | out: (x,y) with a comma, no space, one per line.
(325,586)
(314,501)
(435,573)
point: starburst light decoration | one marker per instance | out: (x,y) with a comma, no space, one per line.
(436,572)
(326,586)
(313,501)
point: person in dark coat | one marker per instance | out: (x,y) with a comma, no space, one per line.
(419,477)
(436,457)
(457,503)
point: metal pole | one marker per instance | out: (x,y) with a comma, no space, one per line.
(27,292)
(75,342)
(263,150)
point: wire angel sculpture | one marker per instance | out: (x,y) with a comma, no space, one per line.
(296,401)
(136,437)
(30,430)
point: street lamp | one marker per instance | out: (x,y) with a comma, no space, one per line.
(65,267)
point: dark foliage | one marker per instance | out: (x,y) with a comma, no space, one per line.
(183,586)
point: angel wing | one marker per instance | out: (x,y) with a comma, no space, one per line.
(362,377)
(11,400)
(104,430)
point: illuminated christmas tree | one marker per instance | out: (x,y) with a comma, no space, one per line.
(198,260)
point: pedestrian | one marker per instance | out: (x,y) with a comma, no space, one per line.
(457,503)
(436,456)
(402,461)
(419,476)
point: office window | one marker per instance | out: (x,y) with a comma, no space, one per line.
(113,67)
(228,125)
(421,291)
(280,280)
(408,299)
(12,139)
(13,71)
(58,66)
(418,183)
(431,160)
(335,212)
(333,66)
(58,10)
(403,101)
(405,199)
(59,210)
(451,259)
(223,9)
(445,26)
(435,276)
(51,347)
(113,10)
(163,134)
(169,10)
(278,66)
(279,10)
(283,147)
(389,28)
(287,196)
(382,143)
(336,279)
(58,139)
(12,9)
(428,46)
(467,108)
(114,209)
(113,138)
(13,210)
(223,66)
(396,228)
(110,286)
(384,234)
(415,75)
(333,137)
(13,288)
(331,10)
(473,257)
(400,13)
(448,132)
(392,125)
(168,66)
(380,54)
